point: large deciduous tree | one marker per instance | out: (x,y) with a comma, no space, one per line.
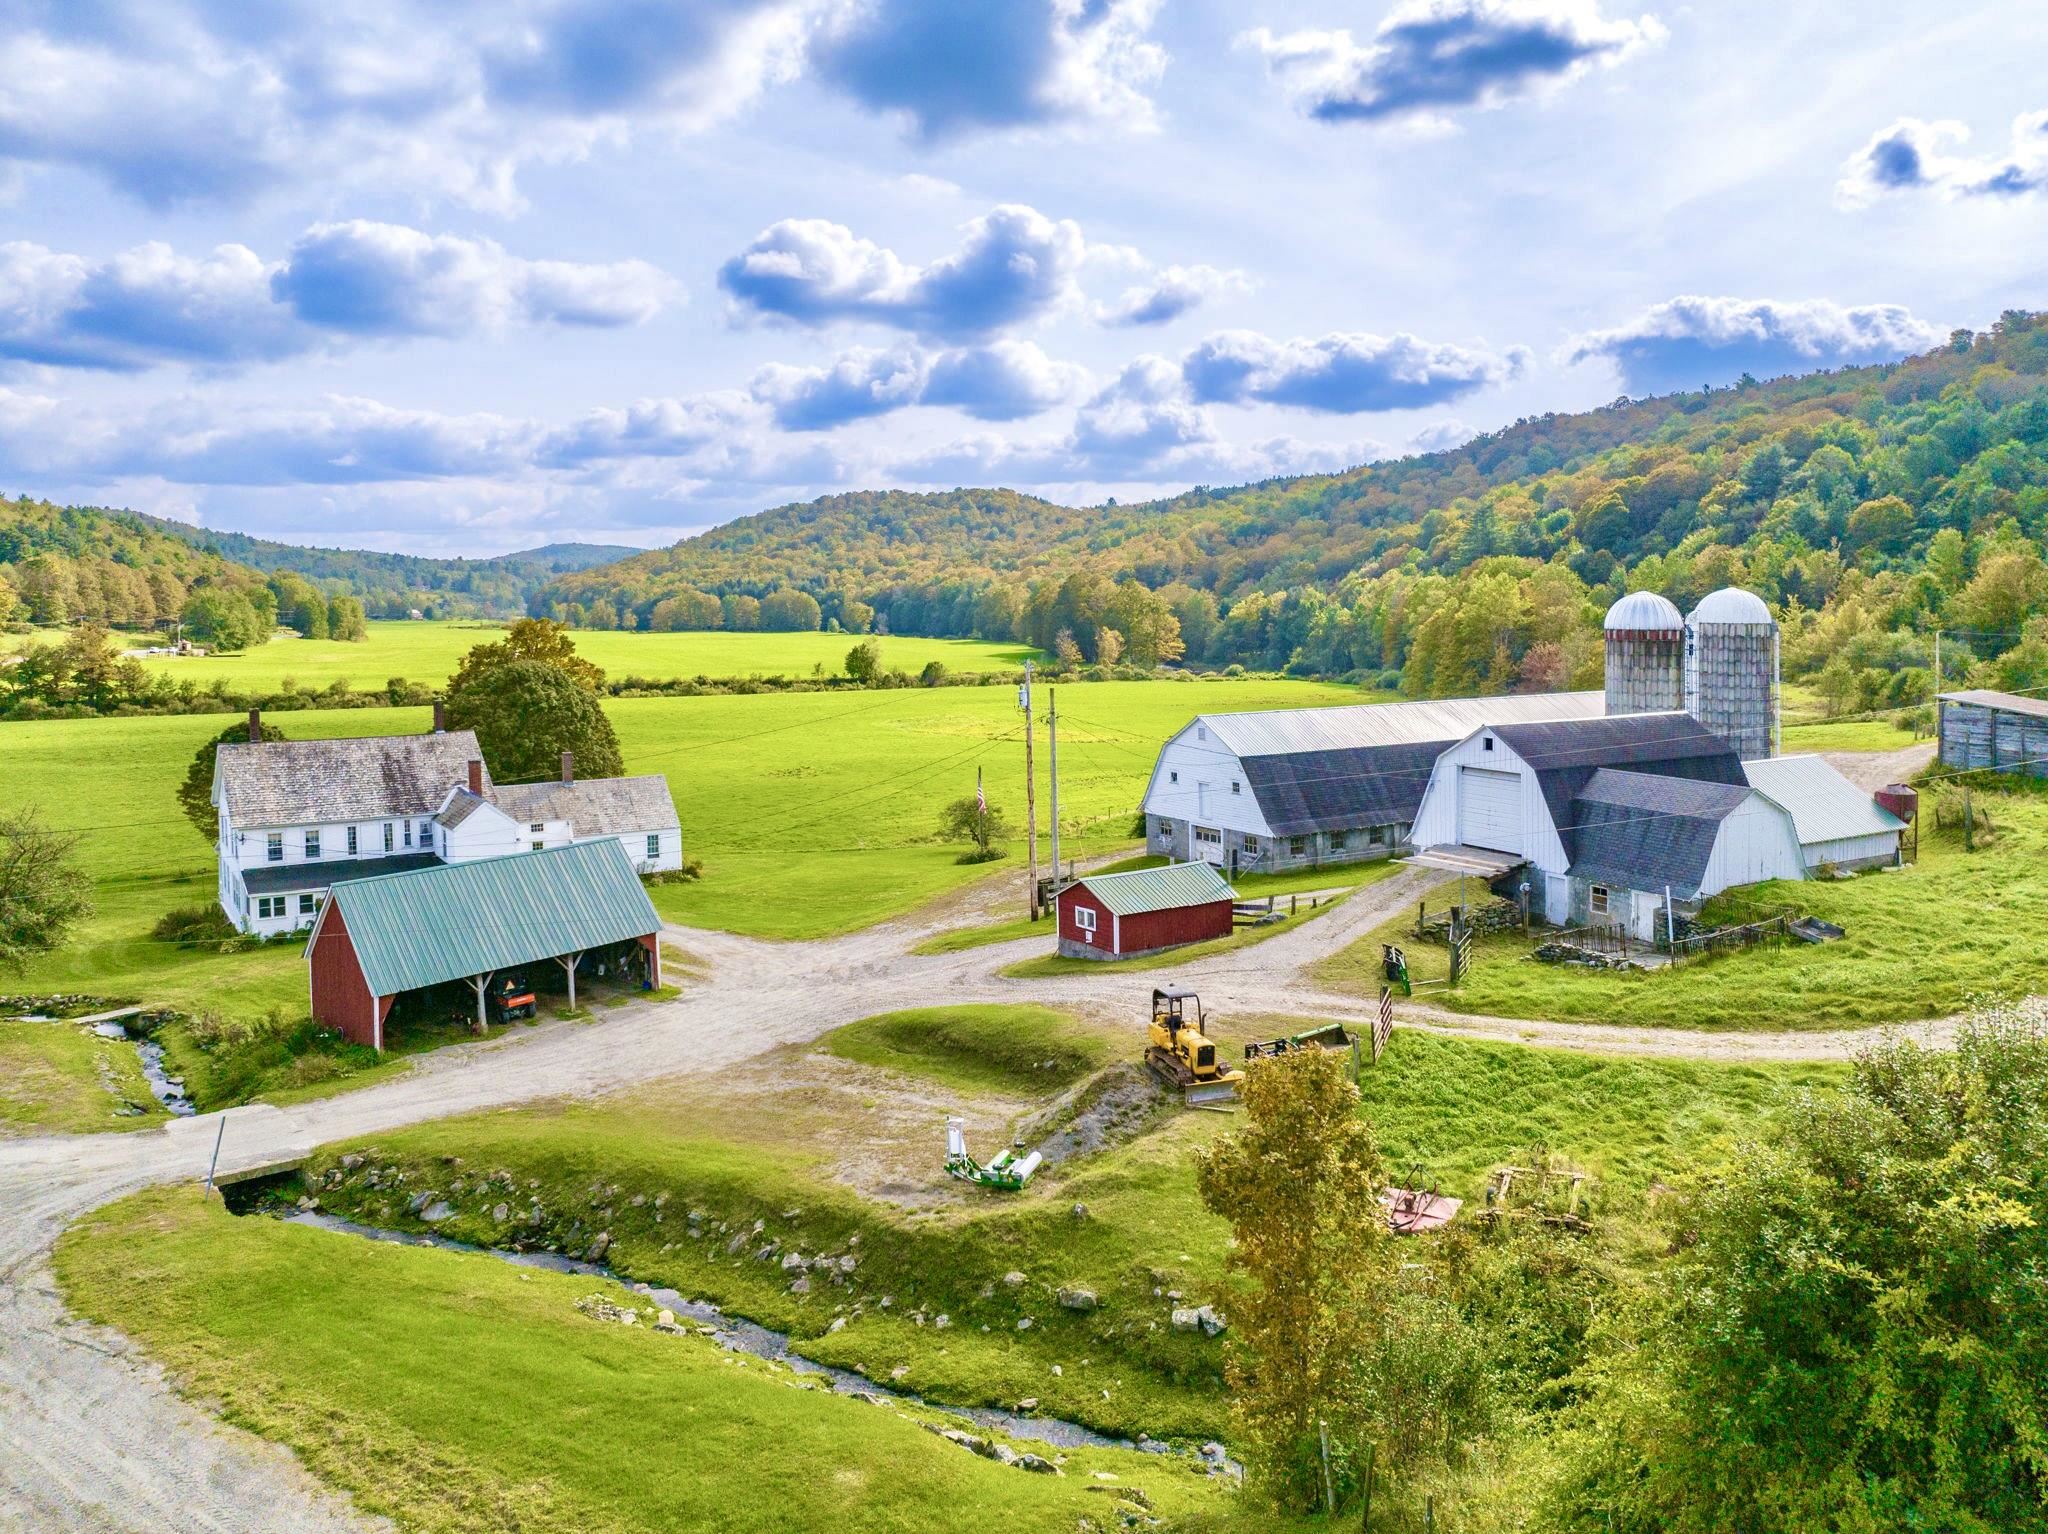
(526,713)
(43,890)
(530,639)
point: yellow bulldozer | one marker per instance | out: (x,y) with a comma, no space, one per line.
(1180,1052)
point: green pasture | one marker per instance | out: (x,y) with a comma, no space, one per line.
(58,1078)
(430,651)
(588,1424)
(1922,942)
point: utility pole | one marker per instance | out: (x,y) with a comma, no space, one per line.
(1030,793)
(1052,730)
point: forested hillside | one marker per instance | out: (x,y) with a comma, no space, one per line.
(392,585)
(63,564)
(1870,504)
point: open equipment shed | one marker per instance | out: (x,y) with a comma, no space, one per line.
(378,938)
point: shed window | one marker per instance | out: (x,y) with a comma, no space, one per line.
(423,831)
(1084,918)
(1596,899)
(313,844)
(387,836)
(351,841)
(273,847)
(1297,846)
(653,845)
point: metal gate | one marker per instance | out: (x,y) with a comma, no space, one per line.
(1490,809)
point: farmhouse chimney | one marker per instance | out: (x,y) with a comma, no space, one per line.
(476,776)
(255,726)
(440,716)
(568,766)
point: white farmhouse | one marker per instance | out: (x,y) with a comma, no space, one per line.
(1633,820)
(297,816)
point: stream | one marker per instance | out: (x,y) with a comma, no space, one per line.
(167,1089)
(740,1336)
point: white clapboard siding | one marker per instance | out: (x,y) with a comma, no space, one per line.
(1192,781)
(1755,843)
(1438,823)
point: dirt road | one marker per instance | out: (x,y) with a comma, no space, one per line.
(92,1438)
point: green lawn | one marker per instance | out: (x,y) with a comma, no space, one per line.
(976,1048)
(55,1078)
(1921,943)
(586,1424)
(430,652)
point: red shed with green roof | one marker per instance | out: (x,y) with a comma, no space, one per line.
(1145,910)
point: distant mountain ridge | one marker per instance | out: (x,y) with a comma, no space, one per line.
(391,585)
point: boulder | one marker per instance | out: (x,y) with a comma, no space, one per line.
(801,1285)
(1080,1211)
(1013,1279)
(500,1213)
(1002,1454)
(419,1201)
(838,1324)
(1186,1319)
(943,1322)
(437,1211)
(599,1247)
(900,1372)
(1029,1403)
(1074,1297)
(1024,1324)
(351,1161)
(1037,1464)
(1212,1324)
(794,1262)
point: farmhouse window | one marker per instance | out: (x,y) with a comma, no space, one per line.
(537,827)
(423,831)
(269,907)
(536,847)
(308,904)
(1236,787)
(1487,744)
(312,844)
(1206,834)
(1251,845)
(408,835)
(351,841)
(273,848)
(653,845)
(1297,846)
(1084,918)
(387,836)
(1172,777)
(1597,899)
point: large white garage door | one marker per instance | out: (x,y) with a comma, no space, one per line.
(1489,809)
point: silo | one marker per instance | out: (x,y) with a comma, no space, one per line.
(1731,670)
(1645,655)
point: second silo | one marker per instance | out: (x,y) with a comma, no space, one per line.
(1645,655)
(1731,670)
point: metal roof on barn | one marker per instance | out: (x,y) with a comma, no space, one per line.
(1158,889)
(1305,791)
(1641,830)
(455,920)
(1350,726)
(2002,702)
(1825,806)
(1565,754)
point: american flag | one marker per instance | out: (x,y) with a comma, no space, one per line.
(980,793)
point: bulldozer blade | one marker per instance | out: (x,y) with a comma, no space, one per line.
(1206,1095)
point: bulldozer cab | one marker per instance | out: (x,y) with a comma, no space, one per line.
(1175,1007)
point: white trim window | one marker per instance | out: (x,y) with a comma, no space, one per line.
(273,847)
(309,905)
(408,837)
(351,841)
(1084,922)
(387,836)
(1297,846)
(1598,900)
(270,908)
(312,842)
(1208,836)
(1251,846)
(654,846)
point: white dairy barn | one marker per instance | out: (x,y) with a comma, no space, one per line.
(1293,788)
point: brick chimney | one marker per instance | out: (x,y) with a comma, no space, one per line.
(568,766)
(476,776)
(440,716)
(255,726)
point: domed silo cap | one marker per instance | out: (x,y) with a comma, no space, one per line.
(1731,604)
(1643,612)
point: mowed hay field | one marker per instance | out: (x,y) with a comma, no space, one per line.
(430,652)
(814,813)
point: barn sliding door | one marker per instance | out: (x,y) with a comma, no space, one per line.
(1489,809)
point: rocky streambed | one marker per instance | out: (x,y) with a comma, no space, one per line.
(675,1312)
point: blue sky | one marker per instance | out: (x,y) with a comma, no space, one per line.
(467,276)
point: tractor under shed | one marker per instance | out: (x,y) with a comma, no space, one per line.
(377,939)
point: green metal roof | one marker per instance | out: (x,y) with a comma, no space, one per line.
(1159,889)
(461,919)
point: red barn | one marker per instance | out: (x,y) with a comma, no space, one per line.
(1114,916)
